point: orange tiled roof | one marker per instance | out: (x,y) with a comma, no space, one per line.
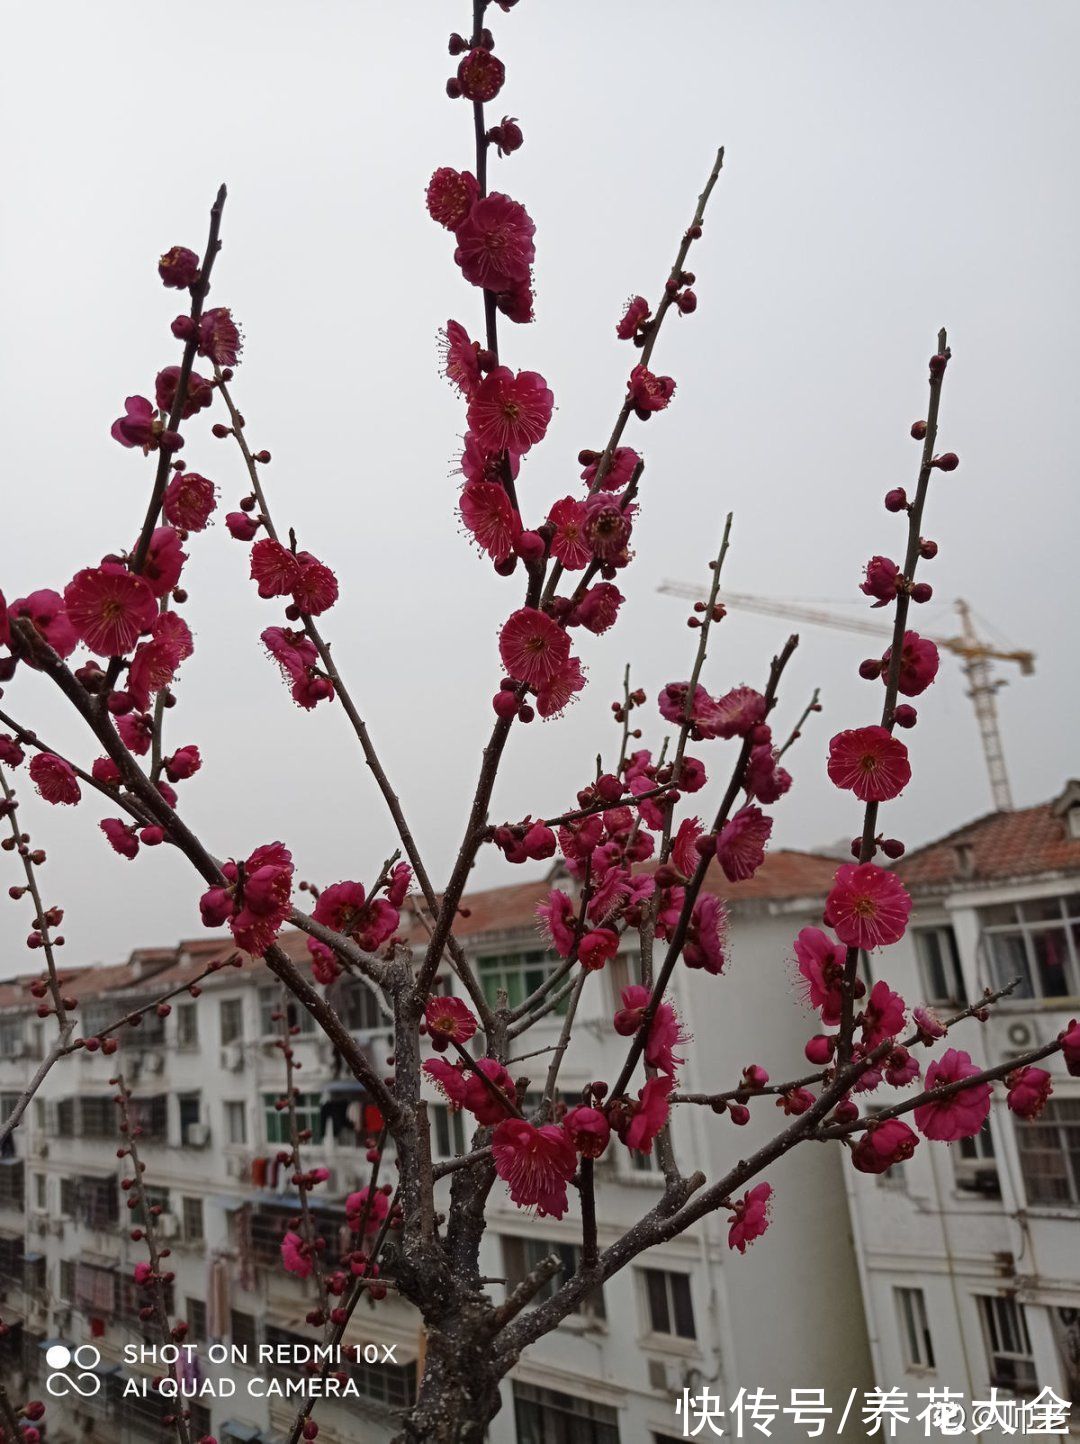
(1001,845)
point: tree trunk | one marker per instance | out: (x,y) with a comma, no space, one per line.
(458,1394)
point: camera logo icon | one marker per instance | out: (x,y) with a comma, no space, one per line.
(59,1382)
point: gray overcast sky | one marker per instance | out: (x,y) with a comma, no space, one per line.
(890,169)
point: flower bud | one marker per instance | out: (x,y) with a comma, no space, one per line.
(948,461)
(918,430)
(928,550)
(870,669)
(893,847)
(921,592)
(904,715)
(178,267)
(896,499)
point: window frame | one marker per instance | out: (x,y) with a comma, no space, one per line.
(233,1009)
(1025,929)
(1001,1315)
(669,1282)
(512,970)
(1029,1132)
(946,961)
(917,1344)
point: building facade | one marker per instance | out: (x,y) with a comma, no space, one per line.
(970,1254)
(205,1080)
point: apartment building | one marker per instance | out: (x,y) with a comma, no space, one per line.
(970,1255)
(205,1079)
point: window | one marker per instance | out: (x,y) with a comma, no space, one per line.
(192,1216)
(231,1019)
(975,1164)
(308,1115)
(196,1320)
(12,1184)
(152,1116)
(1037,941)
(190,1117)
(271,1002)
(34,1274)
(150,1197)
(41,1190)
(448,1132)
(187,1025)
(243,1333)
(11,1256)
(11,1038)
(519,974)
(939,964)
(97,1117)
(1050,1153)
(1012,1364)
(67,1280)
(64,1118)
(236,1122)
(521,1255)
(624,969)
(91,1201)
(544,1416)
(671,1309)
(95,1289)
(915,1338)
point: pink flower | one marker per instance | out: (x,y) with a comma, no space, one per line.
(136,427)
(121,836)
(597,948)
(736,714)
(450,195)
(199,393)
(316,589)
(262,900)
(928,1023)
(867,907)
(1070,1048)
(1028,1091)
(634,317)
(643,1120)
(54,779)
(164,561)
(45,611)
(449,1079)
(665,1034)
(142,1273)
(488,513)
(449,1019)
(707,935)
(345,907)
(568,545)
(533,648)
(765,779)
(274,568)
(536,1164)
(624,460)
(607,529)
(480,75)
(918,664)
(882,578)
(325,968)
(184,763)
(961,1114)
(178,267)
(516,302)
(560,689)
(821,963)
(508,412)
(400,881)
(479,1099)
(672,702)
(189,501)
(901,1068)
(495,247)
(155,662)
(367,1208)
(559,918)
(649,393)
(109,607)
(219,337)
(883,1016)
(295,654)
(461,365)
(870,762)
(684,853)
(242,527)
(749,1217)
(136,732)
(11,754)
(296,1256)
(588,1130)
(740,848)
(882,1145)
(598,609)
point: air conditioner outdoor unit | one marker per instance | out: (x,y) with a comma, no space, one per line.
(1021,1035)
(237,1166)
(167,1225)
(232,1057)
(197,1135)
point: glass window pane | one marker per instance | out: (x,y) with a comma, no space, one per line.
(1052,960)
(659,1317)
(1008,960)
(684,1307)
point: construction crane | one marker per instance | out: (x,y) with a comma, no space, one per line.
(976,658)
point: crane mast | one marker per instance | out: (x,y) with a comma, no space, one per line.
(976,658)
